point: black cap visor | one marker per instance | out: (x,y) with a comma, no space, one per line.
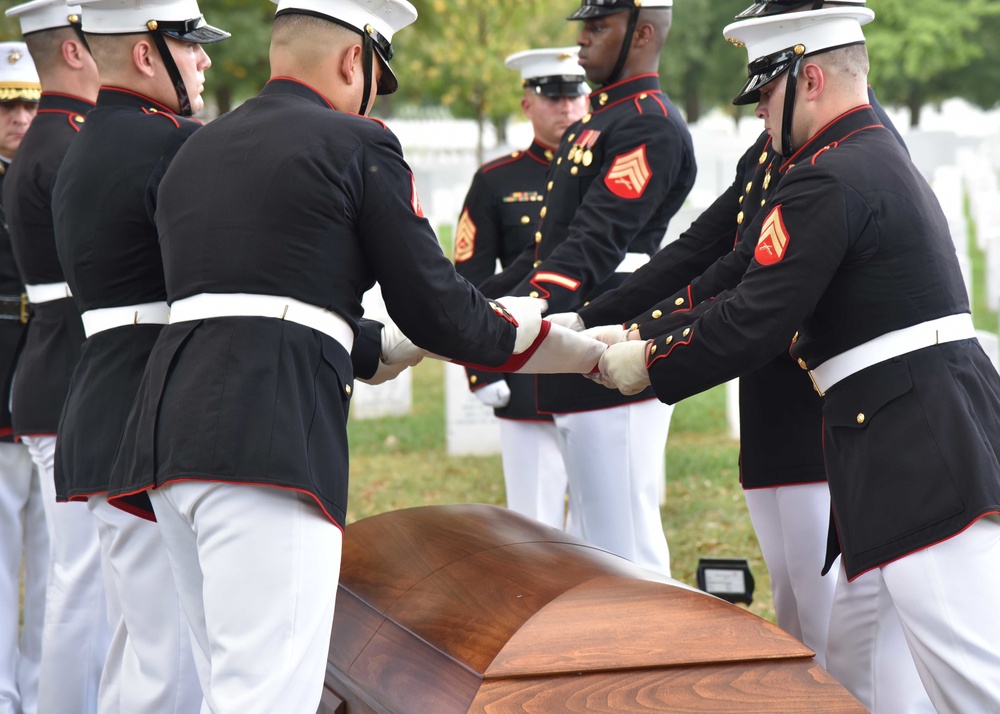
(600,8)
(764,70)
(387,83)
(558,86)
(195,31)
(750,94)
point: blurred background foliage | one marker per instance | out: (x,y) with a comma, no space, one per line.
(923,51)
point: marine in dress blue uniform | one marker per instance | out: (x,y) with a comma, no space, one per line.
(785,483)
(23,535)
(618,177)
(498,221)
(273,222)
(75,612)
(105,198)
(855,268)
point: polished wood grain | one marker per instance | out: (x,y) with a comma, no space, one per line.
(474,608)
(772,688)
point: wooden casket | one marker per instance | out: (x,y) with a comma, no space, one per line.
(474,608)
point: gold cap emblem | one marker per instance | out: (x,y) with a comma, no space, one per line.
(15,56)
(800,49)
(152,25)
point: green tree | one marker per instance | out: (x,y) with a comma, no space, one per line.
(699,69)
(919,47)
(454,54)
(240,64)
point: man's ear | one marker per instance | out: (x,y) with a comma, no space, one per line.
(643,35)
(350,65)
(143,58)
(72,53)
(812,81)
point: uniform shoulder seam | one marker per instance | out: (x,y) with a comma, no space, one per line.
(502,161)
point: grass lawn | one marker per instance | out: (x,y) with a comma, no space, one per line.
(400,462)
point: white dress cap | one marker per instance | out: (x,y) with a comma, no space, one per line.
(551,72)
(773,42)
(18,78)
(118,17)
(548,62)
(816,30)
(387,17)
(39,15)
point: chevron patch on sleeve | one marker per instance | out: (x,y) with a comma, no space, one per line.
(465,238)
(773,243)
(629,174)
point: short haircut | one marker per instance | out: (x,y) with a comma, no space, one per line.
(113,52)
(45,47)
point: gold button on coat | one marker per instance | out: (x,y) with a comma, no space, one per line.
(861,418)
(635,326)
(525,220)
(802,363)
(534,294)
(473,379)
(538,237)
(347,389)
(679,301)
(687,332)
(545,210)
(657,314)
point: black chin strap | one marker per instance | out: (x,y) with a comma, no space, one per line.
(367,56)
(78,29)
(183,100)
(789,110)
(633,20)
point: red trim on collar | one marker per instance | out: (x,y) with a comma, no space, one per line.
(307,86)
(623,81)
(143,97)
(819,133)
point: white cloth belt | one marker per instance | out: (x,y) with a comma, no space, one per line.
(892,344)
(209,305)
(108,318)
(47,293)
(632,262)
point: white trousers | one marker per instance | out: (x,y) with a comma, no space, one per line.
(614,460)
(947,597)
(791,523)
(256,570)
(75,636)
(150,667)
(533,471)
(23,538)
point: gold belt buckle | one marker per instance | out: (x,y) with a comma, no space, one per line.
(816,384)
(24,308)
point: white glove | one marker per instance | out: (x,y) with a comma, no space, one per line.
(385,373)
(623,367)
(570,320)
(608,334)
(528,313)
(495,396)
(397,349)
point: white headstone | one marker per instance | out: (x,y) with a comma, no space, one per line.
(471,428)
(733,408)
(991,346)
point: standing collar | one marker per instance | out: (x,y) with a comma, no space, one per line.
(118,97)
(612,94)
(541,152)
(290,85)
(847,124)
(57,102)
